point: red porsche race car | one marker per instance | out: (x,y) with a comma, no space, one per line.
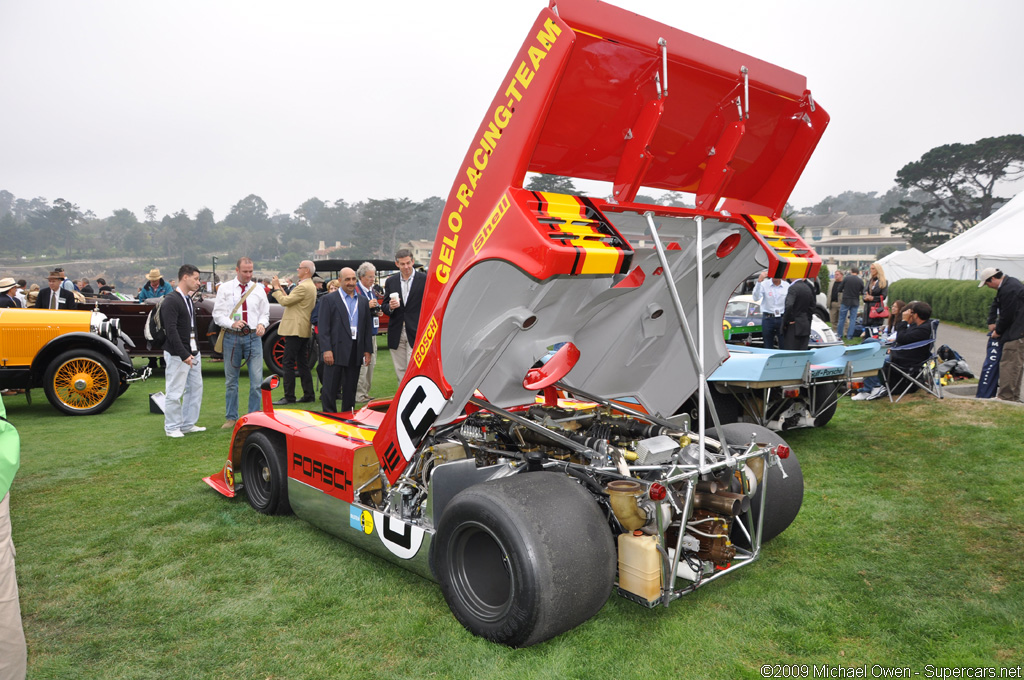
(529,462)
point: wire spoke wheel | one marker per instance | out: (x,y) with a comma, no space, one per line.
(82,382)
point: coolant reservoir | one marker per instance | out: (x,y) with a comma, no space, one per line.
(640,565)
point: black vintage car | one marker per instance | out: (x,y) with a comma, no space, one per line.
(133,314)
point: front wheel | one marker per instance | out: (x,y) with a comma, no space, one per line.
(522,559)
(265,475)
(82,382)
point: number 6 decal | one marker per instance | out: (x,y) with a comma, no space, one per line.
(418,407)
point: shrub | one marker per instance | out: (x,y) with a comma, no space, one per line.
(951,300)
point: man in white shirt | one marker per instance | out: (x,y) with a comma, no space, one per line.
(243,311)
(366,274)
(404,292)
(771,295)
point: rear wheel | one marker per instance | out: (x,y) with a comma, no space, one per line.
(826,399)
(82,382)
(785,493)
(524,558)
(273,352)
(265,475)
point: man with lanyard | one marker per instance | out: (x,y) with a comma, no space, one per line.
(12,635)
(346,331)
(404,292)
(183,394)
(771,295)
(243,311)
(366,275)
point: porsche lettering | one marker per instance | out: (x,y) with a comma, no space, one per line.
(315,470)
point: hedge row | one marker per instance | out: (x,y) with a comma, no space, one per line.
(951,300)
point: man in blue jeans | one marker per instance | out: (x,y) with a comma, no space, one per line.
(243,311)
(771,295)
(853,288)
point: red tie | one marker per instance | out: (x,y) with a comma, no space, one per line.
(245,314)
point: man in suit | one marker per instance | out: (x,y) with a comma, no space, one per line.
(1006,324)
(366,275)
(183,394)
(55,297)
(8,287)
(296,330)
(796,320)
(346,331)
(404,295)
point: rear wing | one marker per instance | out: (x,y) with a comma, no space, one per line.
(602,94)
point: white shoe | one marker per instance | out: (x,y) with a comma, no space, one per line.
(877,393)
(859,396)
(174,433)
(194,428)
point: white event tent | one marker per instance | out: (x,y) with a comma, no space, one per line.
(997,241)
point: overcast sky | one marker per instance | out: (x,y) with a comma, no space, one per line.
(193,103)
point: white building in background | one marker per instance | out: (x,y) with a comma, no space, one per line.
(843,240)
(421,250)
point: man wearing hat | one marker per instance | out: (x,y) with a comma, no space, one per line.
(55,297)
(155,286)
(65,283)
(7,289)
(1006,324)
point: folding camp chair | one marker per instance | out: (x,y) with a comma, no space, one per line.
(926,375)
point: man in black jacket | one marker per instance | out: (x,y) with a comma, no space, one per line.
(404,295)
(796,320)
(853,287)
(55,297)
(345,330)
(835,293)
(183,394)
(1006,324)
(914,327)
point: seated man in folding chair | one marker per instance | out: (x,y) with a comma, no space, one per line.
(912,347)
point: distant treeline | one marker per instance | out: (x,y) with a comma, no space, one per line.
(62,230)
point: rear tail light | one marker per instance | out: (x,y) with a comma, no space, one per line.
(782,451)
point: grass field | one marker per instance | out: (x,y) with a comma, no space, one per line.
(909,550)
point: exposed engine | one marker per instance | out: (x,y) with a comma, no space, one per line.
(646,476)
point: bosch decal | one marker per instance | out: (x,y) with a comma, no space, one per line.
(424,344)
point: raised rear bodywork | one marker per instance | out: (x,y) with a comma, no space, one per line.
(525,507)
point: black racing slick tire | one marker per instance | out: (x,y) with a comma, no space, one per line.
(785,492)
(265,475)
(522,559)
(82,382)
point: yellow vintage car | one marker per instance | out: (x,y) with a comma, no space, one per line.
(77,357)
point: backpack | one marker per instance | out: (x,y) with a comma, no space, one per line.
(154,328)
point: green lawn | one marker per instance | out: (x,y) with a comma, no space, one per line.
(908,551)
